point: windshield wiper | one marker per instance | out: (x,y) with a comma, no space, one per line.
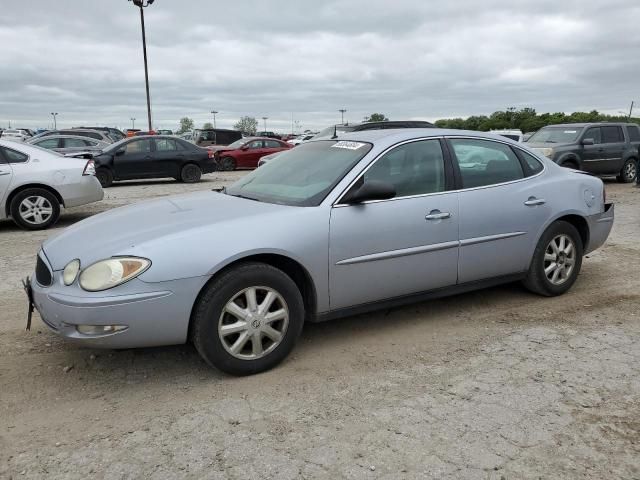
(243,196)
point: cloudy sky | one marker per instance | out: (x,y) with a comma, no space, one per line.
(300,59)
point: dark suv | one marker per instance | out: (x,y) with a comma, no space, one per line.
(598,148)
(215,136)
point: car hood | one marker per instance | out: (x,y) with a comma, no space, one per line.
(128,230)
(547,145)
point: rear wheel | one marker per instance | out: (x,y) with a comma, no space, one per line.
(628,172)
(248,319)
(190,173)
(104,176)
(556,261)
(35,209)
(227,164)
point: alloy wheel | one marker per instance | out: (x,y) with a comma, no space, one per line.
(559,259)
(630,170)
(253,323)
(35,210)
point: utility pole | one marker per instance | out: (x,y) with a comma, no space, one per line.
(265,122)
(213,112)
(133,123)
(141,4)
(631,110)
(55,124)
(342,111)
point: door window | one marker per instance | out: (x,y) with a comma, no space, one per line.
(74,142)
(166,145)
(14,157)
(612,135)
(483,162)
(48,143)
(138,146)
(594,134)
(634,133)
(415,168)
(272,144)
(535,166)
(255,145)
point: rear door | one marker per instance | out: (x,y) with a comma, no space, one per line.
(6,174)
(137,160)
(168,157)
(614,146)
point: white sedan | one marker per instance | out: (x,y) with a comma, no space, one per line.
(35,183)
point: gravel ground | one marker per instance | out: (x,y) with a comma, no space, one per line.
(492,384)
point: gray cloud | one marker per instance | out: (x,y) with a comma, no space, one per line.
(407,59)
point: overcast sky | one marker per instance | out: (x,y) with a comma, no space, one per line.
(409,59)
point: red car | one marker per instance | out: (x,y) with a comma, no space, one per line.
(246,152)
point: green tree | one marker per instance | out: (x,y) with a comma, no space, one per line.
(207,126)
(376,117)
(186,125)
(247,124)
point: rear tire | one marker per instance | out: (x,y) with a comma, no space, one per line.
(104,176)
(190,173)
(556,261)
(227,164)
(628,172)
(35,209)
(226,322)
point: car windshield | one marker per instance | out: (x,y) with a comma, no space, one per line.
(302,176)
(239,143)
(555,135)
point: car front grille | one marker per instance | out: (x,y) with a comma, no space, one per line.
(43,274)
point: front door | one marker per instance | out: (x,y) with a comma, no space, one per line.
(593,155)
(385,249)
(249,157)
(136,161)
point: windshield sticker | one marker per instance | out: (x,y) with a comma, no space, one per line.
(348,145)
(570,131)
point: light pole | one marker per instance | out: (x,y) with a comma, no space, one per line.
(213,112)
(265,122)
(143,4)
(342,111)
(133,123)
(55,123)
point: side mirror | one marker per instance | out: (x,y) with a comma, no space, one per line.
(372,190)
(588,141)
(120,152)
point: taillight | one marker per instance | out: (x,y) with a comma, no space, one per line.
(89,168)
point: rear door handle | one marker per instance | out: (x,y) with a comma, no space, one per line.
(437,215)
(533,201)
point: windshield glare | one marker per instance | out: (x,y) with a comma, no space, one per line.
(555,135)
(238,143)
(302,176)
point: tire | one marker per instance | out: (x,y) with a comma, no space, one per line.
(227,164)
(190,173)
(539,281)
(628,172)
(237,352)
(104,176)
(570,164)
(35,209)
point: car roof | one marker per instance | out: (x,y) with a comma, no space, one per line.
(590,124)
(395,135)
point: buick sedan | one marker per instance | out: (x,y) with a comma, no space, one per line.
(331,228)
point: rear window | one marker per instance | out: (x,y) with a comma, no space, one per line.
(535,166)
(612,134)
(634,133)
(14,157)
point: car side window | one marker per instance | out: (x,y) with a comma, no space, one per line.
(138,146)
(14,157)
(594,134)
(612,134)
(49,143)
(74,142)
(255,145)
(272,144)
(415,168)
(535,166)
(634,133)
(166,145)
(483,162)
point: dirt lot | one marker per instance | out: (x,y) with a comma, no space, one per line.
(492,384)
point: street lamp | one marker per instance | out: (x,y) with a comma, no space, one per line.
(143,4)
(55,124)
(213,112)
(133,123)
(265,123)
(342,111)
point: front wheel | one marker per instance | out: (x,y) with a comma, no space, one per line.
(227,164)
(248,319)
(556,261)
(628,172)
(104,176)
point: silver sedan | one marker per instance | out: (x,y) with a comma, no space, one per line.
(331,228)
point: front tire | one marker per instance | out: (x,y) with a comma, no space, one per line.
(227,164)
(628,172)
(190,173)
(35,209)
(105,177)
(570,164)
(248,319)
(556,261)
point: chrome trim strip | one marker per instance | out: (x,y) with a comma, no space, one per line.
(489,238)
(404,252)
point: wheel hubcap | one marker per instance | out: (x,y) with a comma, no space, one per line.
(559,259)
(253,323)
(35,210)
(631,170)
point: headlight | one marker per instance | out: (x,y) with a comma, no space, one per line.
(112,272)
(547,152)
(70,272)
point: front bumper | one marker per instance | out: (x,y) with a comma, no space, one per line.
(154,314)
(599,228)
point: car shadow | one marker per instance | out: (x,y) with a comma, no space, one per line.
(157,181)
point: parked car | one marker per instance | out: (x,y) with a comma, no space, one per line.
(391,124)
(130,132)
(80,132)
(114,133)
(144,133)
(215,136)
(373,220)
(514,134)
(156,156)
(271,156)
(165,132)
(246,152)
(267,134)
(598,148)
(27,131)
(35,183)
(301,139)
(69,144)
(15,135)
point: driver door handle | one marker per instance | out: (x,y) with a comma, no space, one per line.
(533,201)
(437,215)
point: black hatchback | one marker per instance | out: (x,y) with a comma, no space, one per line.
(153,156)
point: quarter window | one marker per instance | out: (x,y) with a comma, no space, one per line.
(612,135)
(634,133)
(484,162)
(415,168)
(594,134)
(14,157)
(532,162)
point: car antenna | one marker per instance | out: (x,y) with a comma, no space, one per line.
(335,132)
